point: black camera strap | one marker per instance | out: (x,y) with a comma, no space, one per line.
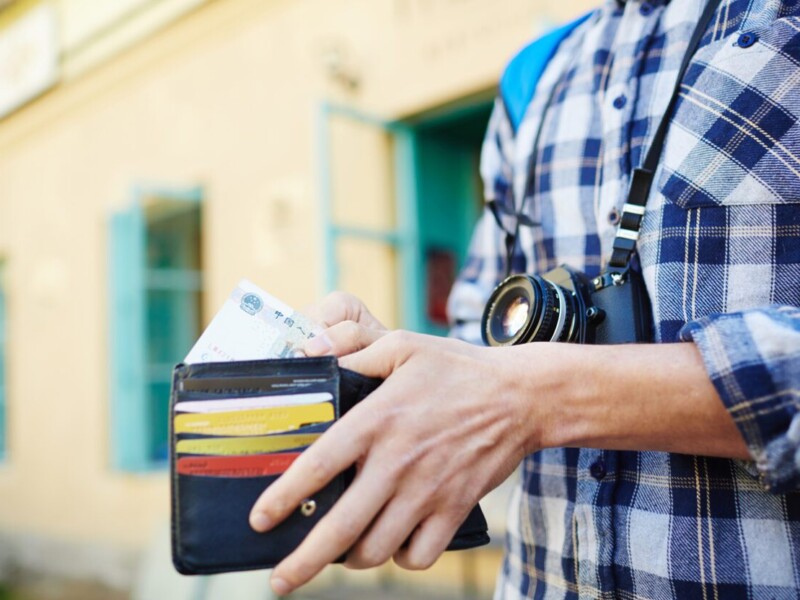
(642,179)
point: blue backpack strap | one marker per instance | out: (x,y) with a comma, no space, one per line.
(523,72)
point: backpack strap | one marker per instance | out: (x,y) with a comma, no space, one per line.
(520,77)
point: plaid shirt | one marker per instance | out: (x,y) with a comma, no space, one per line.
(720,254)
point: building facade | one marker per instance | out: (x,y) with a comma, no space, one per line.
(151,155)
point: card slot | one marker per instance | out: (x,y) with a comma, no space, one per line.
(254,422)
(201,395)
(252,382)
(299,449)
(228,404)
(242,446)
(317,428)
(212,531)
(254,465)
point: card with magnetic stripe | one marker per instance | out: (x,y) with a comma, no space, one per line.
(240,446)
(246,403)
(255,465)
(260,421)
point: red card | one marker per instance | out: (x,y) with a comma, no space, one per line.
(253,465)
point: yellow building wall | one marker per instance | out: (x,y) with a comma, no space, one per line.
(226,98)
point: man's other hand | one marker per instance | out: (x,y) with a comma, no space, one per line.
(349,326)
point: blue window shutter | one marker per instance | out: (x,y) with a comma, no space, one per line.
(127,345)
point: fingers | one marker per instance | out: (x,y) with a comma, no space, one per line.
(338,530)
(392,527)
(331,454)
(428,542)
(341,306)
(342,339)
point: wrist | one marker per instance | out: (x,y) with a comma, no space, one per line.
(553,380)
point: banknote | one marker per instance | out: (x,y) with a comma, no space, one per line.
(252,325)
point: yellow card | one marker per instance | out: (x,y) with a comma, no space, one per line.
(260,421)
(249,445)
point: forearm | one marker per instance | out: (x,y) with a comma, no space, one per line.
(635,397)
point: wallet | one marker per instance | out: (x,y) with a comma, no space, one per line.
(234,427)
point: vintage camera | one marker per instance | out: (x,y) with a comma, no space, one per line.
(564,305)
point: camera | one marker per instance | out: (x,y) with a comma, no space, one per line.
(564,305)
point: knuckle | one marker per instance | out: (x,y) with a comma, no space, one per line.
(350,330)
(336,297)
(345,336)
(402,337)
(299,571)
(319,469)
(415,561)
(367,556)
(345,529)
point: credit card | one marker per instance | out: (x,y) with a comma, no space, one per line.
(260,421)
(256,465)
(252,325)
(229,404)
(241,446)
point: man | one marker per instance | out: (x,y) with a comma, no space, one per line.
(648,471)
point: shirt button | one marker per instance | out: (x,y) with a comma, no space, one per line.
(746,40)
(598,469)
(613,216)
(620,101)
(646,8)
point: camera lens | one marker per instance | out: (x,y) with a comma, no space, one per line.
(526,308)
(515,316)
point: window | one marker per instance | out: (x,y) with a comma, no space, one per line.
(155,253)
(3,339)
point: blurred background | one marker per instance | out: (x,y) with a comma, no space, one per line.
(152,153)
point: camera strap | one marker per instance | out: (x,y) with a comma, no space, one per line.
(642,179)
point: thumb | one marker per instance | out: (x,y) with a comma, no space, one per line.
(342,339)
(380,359)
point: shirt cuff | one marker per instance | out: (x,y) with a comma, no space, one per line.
(753,359)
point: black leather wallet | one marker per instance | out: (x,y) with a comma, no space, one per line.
(210,527)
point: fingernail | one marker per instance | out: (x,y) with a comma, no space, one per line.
(318,346)
(260,522)
(280,587)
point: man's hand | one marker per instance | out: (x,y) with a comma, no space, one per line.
(452,421)
(445,428)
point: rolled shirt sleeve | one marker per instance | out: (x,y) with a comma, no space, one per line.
(753,359)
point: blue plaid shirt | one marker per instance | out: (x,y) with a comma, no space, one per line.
(720,254)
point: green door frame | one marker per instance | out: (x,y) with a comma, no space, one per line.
(404,238)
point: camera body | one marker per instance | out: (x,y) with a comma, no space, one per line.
(564,305)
